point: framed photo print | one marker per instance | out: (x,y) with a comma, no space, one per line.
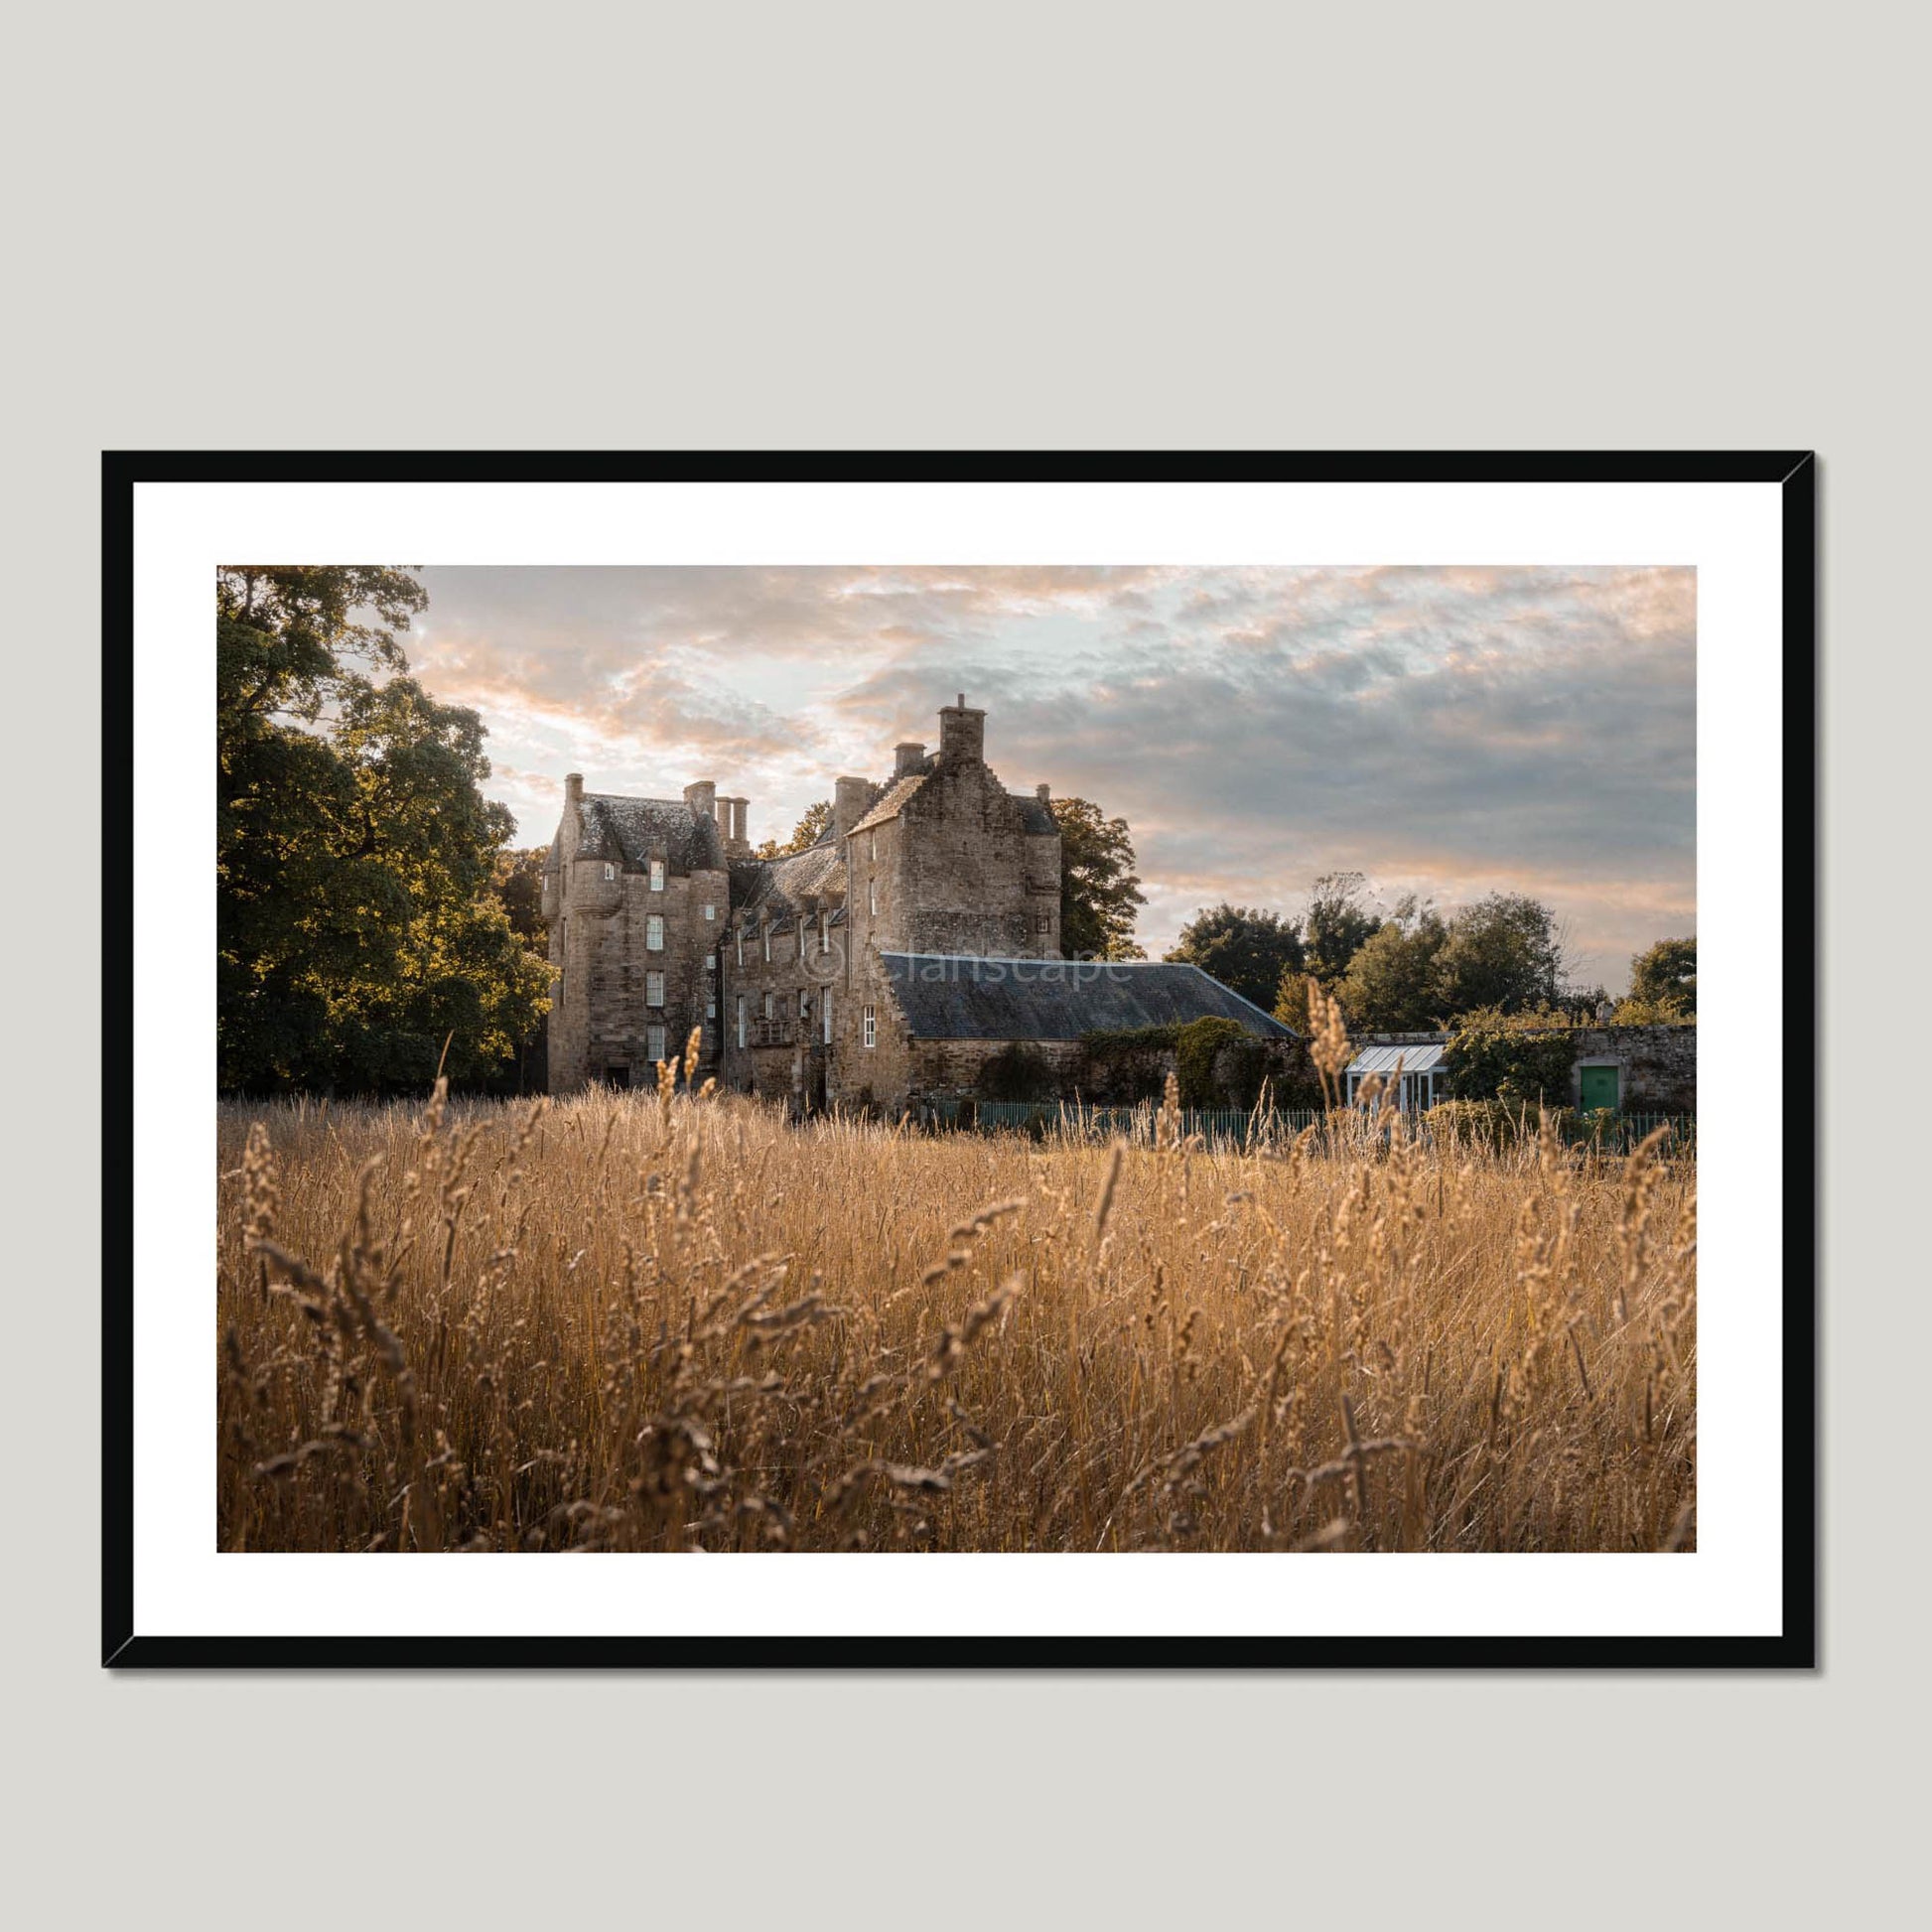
(948,1060)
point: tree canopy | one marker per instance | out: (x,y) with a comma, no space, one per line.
(1099,888)
(1665,977)
(804,835)
(357,930)
(1394,983)
(1505,951)
(516,878)
(1339,921)
(1245,947)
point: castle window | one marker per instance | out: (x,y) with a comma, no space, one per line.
(653,989)
(710,1004)
(768,1006)
(654,933)
(805,1003)
(824,934)
(710,911)
(872,900)
(711,962)
(741,945)
(740,1019)
(825,1015)
(872,1027)
(654,1043)
(766,929)
(610,871)
(657,874)
(871,845)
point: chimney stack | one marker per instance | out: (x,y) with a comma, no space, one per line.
(574,789)
(908,758)
(702,797)
(1044,793)
(849,798)
(962,736)
(734,842)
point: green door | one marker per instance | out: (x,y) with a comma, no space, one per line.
(1600,1089)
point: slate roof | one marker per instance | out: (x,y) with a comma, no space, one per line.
(630,830)
(776,889)
(949,996)
(890,803)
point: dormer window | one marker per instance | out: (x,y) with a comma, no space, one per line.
(657,874)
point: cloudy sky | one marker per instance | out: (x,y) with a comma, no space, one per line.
(1447,732)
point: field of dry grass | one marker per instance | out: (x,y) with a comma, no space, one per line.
(637,1322)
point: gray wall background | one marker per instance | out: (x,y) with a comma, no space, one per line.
(1008,227)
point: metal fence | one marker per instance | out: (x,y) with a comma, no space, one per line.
(1232,1127)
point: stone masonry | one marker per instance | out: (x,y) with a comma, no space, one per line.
(661,921)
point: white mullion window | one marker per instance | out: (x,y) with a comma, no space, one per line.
(871,1019)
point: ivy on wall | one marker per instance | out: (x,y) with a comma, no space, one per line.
(1521,1059)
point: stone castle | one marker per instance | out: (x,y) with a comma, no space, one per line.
(881,967)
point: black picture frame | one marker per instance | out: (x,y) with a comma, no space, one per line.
(1795,473)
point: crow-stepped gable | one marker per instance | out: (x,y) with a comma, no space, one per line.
(796,969)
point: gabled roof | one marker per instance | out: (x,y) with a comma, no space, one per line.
(892,800)
(630,830)
(952,996)
(777,888)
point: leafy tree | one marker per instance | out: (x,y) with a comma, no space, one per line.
(1394,983)
(804,835)
(1292,998)
(1505,951)
(516,879)
(1244,947)
(1099,888)
(1339,921)
(356,927)
(1665,977)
